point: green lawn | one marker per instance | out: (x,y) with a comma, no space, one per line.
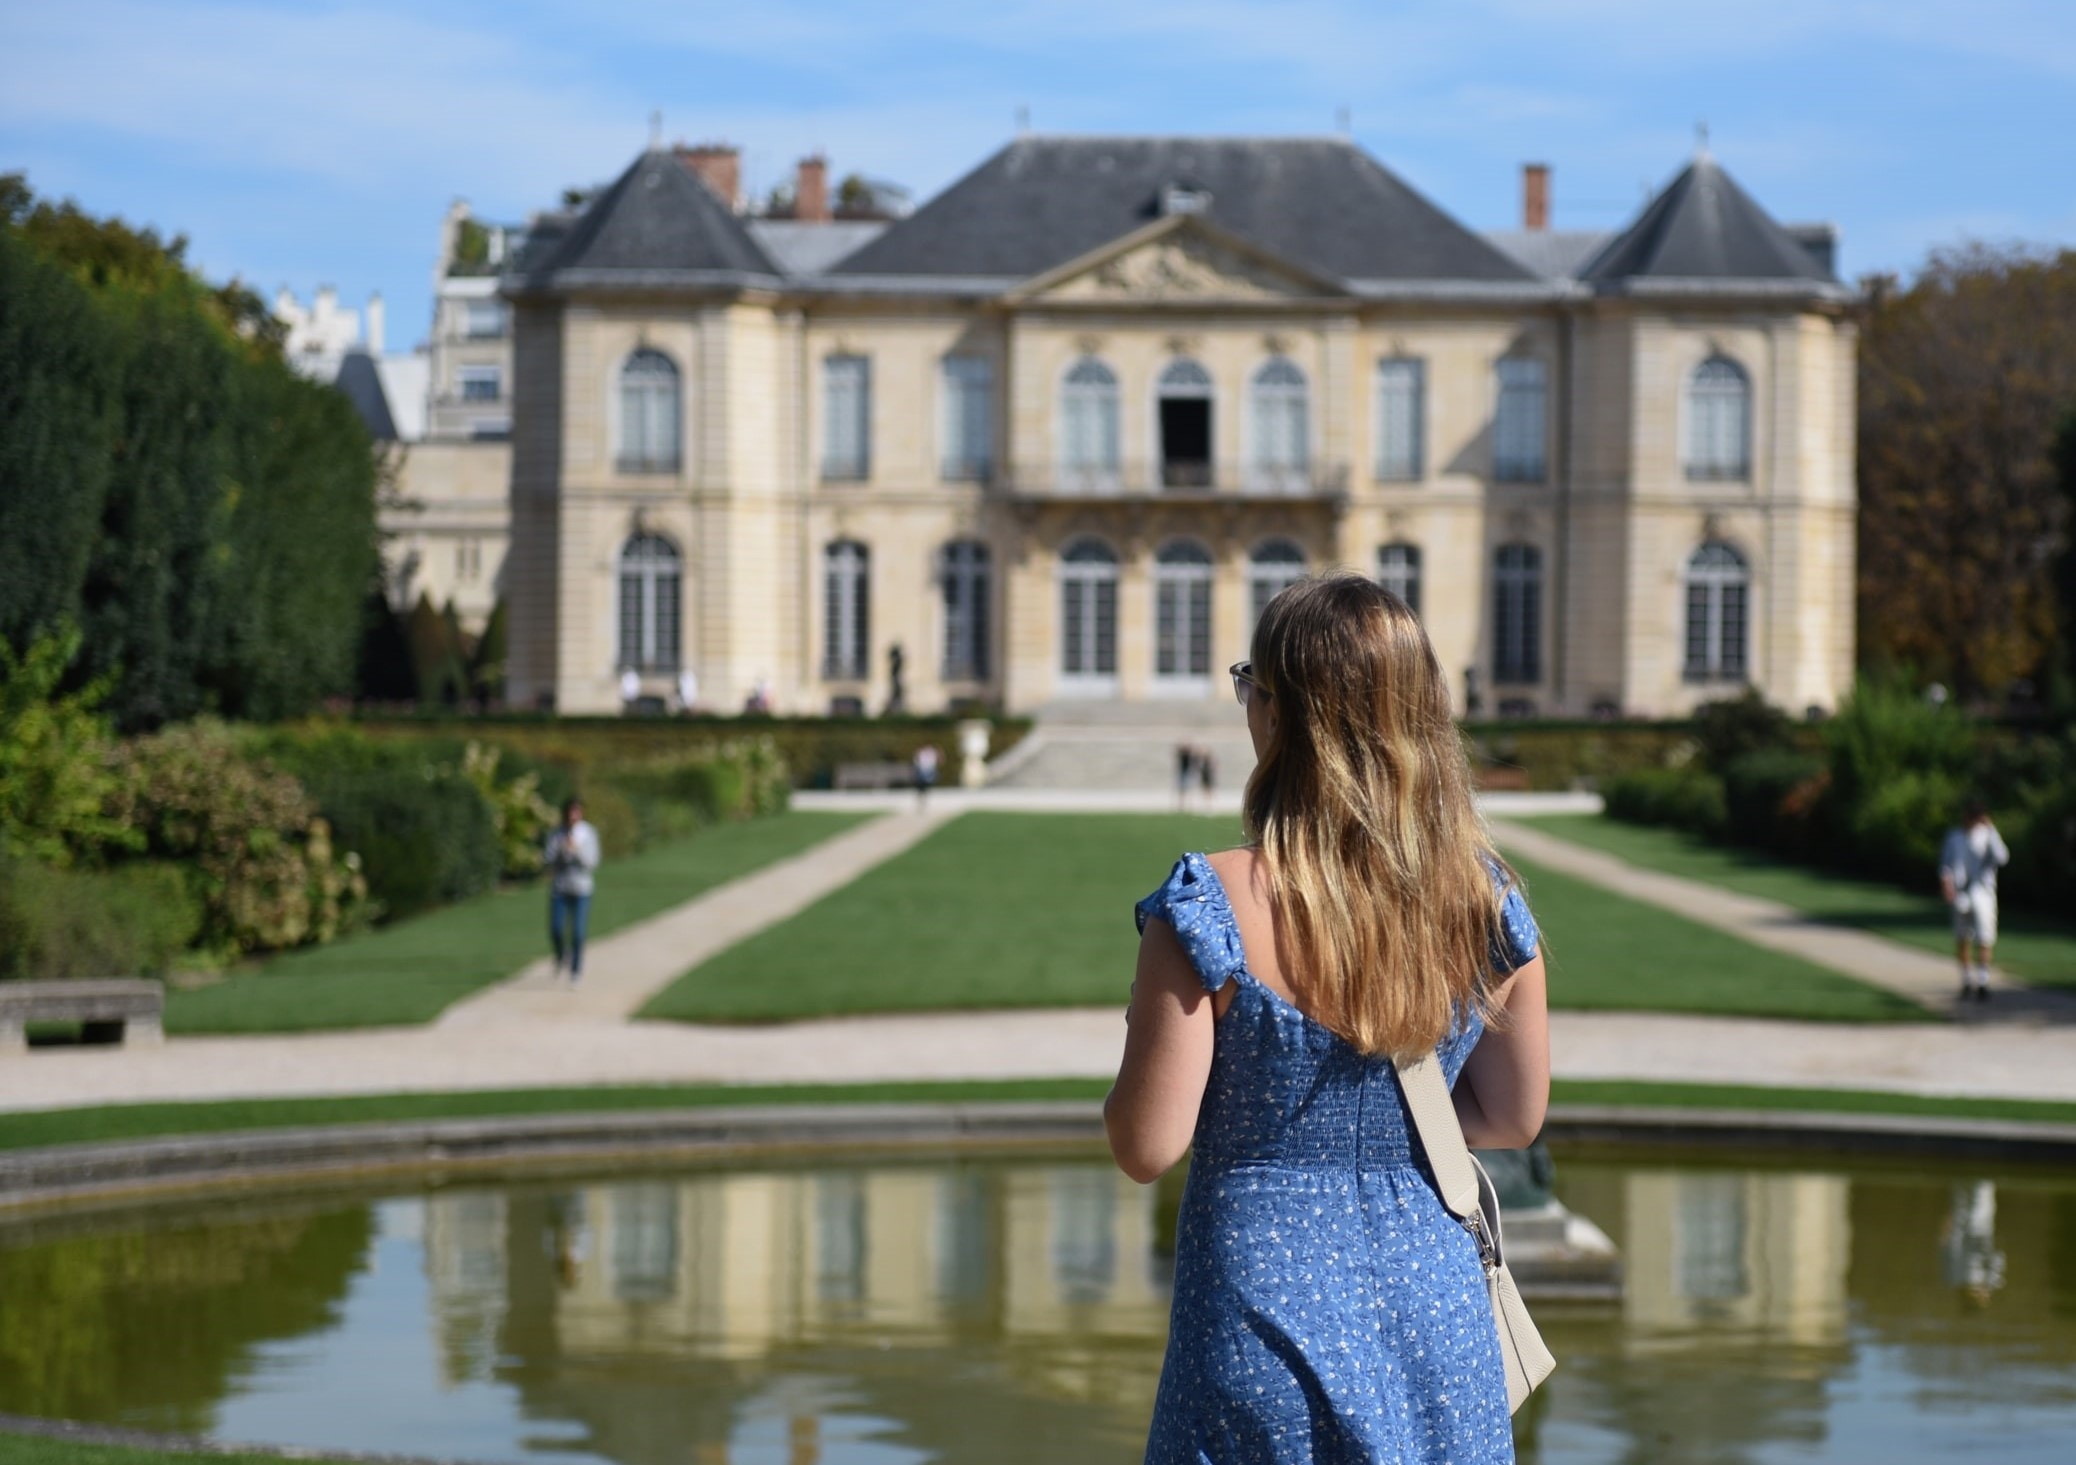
(150,1121)
(993,910)
(409,972)
(31,1450)
(2029,947)
(1032,910)
(1609,953)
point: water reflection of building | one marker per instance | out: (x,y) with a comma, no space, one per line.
(465,1264)
(1737,1250)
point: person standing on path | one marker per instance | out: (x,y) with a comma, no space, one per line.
(1185,774)
(1968,865)
(571,857)
(1327,1305)
(924,768)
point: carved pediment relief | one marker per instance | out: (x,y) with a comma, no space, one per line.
(1186,266)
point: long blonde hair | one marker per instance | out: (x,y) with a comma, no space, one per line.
(1380,870)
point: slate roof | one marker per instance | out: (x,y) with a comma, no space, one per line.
(656,220)
(1554,254)
(1321,203)
(1703,227)
(802,248)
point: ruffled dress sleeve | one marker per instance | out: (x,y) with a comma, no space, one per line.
(1517,940)
(1193,902)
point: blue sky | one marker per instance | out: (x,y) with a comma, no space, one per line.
(306,143)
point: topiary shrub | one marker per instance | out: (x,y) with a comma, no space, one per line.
(131,921)
(424,835)
(1761,803)
(1682,798)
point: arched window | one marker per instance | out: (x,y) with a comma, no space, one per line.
(649,599)
(1517,614)
(1718,589)
(1182,612)
(1275,566)
(650,408)
(1719,421)
(846,611)
(1398,570)
(1088,614)
(1518,423)
(963,581)
(1282,426)
(1089,425)
(1185,423)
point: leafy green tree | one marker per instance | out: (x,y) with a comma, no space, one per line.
(56,779)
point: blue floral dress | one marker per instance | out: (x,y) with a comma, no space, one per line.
(1327,1308)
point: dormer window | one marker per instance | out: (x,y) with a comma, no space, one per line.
(1184,198)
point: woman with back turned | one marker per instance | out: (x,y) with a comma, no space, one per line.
(1328,1308)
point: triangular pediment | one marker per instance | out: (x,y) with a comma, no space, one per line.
(1178,260)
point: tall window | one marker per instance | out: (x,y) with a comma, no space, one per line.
(1719,421)
(649,600)
(846,611)
(1185,424)
(1401,414)
(1088,612)
(1718,588)
(1517,614)
(1273,568)
(1518,424)
(1089,424)
(969,417)
(1182,611)
(483,320)
(1398,570)
(1282,430)
(847,417)
(649,414)
(963,578)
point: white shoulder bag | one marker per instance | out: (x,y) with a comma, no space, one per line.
(1469,1194)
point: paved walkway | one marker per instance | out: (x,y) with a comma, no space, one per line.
(1905,970)
(626,969)
(530,1033)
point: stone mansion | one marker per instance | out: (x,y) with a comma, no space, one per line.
(1062,431)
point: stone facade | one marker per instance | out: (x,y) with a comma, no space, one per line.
(1615,613)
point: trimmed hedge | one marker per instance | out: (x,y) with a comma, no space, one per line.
(424,835)
(131,921)
(1684,798)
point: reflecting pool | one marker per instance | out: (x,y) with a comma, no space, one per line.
(1011,1310)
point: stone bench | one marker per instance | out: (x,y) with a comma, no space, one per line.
(873,775)
(120,1009)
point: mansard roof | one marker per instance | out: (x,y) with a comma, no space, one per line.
(1320,203)
(656,223)
(1703,228)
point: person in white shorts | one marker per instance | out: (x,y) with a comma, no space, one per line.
(1968,865)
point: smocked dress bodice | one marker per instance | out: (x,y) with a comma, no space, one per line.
(1327,1307)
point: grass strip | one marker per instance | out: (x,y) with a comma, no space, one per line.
(2029,946)
(150,1121)
(1033,910)
(409,972)
(36,1450)
(1608,953)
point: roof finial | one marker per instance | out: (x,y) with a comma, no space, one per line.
(1023,120)
(1344,121)
(655,129)
(1701,152)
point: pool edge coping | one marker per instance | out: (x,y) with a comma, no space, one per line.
(115,1172)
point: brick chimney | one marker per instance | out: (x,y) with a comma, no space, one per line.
(719,166)
(811,190)
(1535,197)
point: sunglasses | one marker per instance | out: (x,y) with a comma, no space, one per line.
(1244,684)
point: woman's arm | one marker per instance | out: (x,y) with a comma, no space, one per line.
(1152,1109)
(1504,1090)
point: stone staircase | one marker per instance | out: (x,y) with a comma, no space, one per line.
(1125,745)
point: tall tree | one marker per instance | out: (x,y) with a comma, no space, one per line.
(1964,378)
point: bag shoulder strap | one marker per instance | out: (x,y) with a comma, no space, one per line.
(1441,1134)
